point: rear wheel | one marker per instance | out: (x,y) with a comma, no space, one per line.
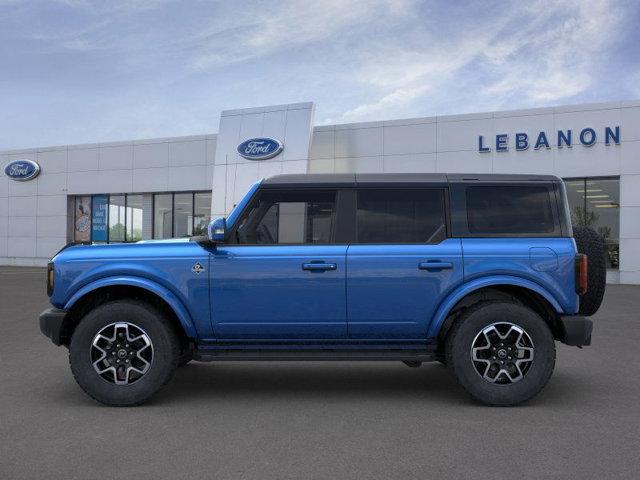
(502,353)
(122,352)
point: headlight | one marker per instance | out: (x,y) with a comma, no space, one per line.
(50,277)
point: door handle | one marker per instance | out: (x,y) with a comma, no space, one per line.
(319,267)
(435,266)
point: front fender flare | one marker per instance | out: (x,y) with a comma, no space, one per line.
(462,291)
(174,302)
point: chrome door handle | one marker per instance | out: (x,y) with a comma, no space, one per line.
(319,267)
(435,266)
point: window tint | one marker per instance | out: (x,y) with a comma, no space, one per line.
(134,218)
(182,215)
(201,212)
(595,203)
(117,217)
(162,215)
(509,209)
(289,217)
(401,216)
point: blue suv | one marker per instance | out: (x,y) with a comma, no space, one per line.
(479,272)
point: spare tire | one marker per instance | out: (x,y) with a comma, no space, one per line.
(591,244)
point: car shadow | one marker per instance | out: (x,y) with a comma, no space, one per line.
(430,383)
(337,380)
(208,383)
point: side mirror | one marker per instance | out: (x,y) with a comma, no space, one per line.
(217,229)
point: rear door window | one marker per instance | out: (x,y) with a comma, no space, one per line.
(512,209)
(400,216)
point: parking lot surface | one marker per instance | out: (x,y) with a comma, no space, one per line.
(317,420)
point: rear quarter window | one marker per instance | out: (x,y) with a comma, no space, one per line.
(509,209)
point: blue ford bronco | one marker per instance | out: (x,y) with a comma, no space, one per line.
(482,273)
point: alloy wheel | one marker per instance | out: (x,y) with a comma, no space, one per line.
(121,353)
(502,353)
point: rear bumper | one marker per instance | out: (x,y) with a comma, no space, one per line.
(576,330)
(51,321)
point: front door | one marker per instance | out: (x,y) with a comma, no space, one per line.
(401,265)
(280,276)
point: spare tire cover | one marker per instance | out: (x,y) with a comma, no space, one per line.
(591,244)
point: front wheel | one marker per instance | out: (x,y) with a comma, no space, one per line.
(122,352)
(502,353)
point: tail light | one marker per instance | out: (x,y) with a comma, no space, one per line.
(582,267)
(50,276)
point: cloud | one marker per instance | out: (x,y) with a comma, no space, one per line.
(406,76)
(555,63)
(85,71)
(256,32)
(542,52)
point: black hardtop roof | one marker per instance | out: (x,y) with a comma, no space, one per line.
(369,179)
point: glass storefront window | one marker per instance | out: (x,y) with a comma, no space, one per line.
(99,216)
(201,212)
(82,219)
(105,218)
(134,218)
(183,214)
(595,203)
(117,218)
(162,215)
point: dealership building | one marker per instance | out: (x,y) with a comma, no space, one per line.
(171,187)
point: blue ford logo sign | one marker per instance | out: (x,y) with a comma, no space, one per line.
(260,148)
(22,170)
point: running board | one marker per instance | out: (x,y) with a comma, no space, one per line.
(409,355)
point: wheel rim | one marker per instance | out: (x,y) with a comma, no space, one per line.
(502,353)
(121,353)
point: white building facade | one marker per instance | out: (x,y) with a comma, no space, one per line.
(171,187)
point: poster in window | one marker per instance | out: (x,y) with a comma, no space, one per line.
(99,214)
(82,220)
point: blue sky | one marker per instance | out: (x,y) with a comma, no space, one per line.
(77,71)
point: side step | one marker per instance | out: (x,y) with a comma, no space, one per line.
(409,355)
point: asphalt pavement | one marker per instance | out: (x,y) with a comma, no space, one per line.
(315,420)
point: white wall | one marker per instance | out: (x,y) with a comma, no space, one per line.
(290,124)
(33,214)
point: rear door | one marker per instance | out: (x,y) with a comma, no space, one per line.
(402,263)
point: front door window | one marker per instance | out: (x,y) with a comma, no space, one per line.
(289,218)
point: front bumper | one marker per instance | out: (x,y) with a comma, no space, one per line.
(51,323)
(576,330)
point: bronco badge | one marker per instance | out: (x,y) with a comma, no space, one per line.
(197,268)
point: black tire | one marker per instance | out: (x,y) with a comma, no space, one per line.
(590,243)
(165,348)
(459,343)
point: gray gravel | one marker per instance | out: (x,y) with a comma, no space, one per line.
(317,420)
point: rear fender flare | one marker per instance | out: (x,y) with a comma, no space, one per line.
(462,291)
(172,300)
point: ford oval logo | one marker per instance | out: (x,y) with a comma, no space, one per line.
(22,170)
(260,148)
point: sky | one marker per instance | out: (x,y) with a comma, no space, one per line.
(80,71)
